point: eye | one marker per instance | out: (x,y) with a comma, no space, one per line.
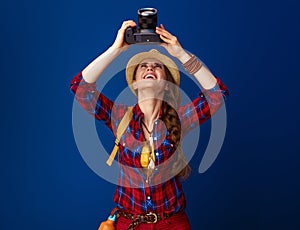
(157,65)
(143,65)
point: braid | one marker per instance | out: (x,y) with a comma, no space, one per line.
(172,123)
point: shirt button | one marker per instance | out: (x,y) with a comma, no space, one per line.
(148,198)
(157,154)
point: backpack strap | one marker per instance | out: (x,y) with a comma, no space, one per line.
(120,130)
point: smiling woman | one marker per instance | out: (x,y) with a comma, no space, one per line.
(151,160)
(149,69)
(149,80)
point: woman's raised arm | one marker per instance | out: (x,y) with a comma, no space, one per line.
(93,71)
(172,45)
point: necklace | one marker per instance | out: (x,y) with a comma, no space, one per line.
(147,158)
(145,126)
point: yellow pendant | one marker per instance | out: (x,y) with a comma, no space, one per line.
(145,155)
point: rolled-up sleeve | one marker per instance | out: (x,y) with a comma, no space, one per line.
(91,100)
(203,107)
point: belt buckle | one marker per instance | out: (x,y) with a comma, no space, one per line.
(151,214)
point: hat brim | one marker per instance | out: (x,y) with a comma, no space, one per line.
(153,54)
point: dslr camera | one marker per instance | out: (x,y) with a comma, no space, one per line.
(145,32)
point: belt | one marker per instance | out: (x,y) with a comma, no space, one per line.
(149,218)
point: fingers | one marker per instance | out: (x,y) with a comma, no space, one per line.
(125,25)
(162,26)
(170,42)
(161,30)
(169,39)
(166,40)
(128,23)
(119,41)
(165,35)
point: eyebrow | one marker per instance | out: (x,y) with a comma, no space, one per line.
(156,63)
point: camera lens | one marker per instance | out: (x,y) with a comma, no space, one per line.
(147,18)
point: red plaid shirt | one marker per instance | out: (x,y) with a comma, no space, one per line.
(134,194)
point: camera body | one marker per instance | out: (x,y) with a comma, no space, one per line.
(145,32)
(135,35)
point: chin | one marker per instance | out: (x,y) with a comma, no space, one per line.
(151,86)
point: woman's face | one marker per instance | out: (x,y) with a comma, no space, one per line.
(150,77)
(150,70)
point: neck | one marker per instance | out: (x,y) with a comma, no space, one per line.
(150,108)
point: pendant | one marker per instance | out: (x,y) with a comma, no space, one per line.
(145,154)
(152,148)
(147,159)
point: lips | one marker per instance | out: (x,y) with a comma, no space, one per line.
(150,76)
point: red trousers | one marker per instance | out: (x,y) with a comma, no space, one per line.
(178,221)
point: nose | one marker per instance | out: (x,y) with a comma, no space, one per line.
(150,67)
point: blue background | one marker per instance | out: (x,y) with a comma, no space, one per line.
(252,45)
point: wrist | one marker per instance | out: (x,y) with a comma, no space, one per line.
(183,57)
(192,65)
(114,51)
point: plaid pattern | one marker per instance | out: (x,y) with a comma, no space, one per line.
(133,193)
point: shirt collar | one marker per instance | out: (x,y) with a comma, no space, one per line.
(138,114)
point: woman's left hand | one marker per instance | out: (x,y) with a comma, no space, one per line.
(171,43)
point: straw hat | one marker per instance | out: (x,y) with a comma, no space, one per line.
(155,54)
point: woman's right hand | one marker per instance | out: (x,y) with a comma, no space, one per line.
(120,42)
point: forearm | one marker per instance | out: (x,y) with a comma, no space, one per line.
(93,71)
(206,79)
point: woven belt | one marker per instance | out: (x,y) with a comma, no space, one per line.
(149,218)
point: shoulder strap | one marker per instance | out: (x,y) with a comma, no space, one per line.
(120,130)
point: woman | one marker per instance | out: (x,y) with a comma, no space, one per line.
(149,194)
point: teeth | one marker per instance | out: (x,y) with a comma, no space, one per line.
(150,76)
